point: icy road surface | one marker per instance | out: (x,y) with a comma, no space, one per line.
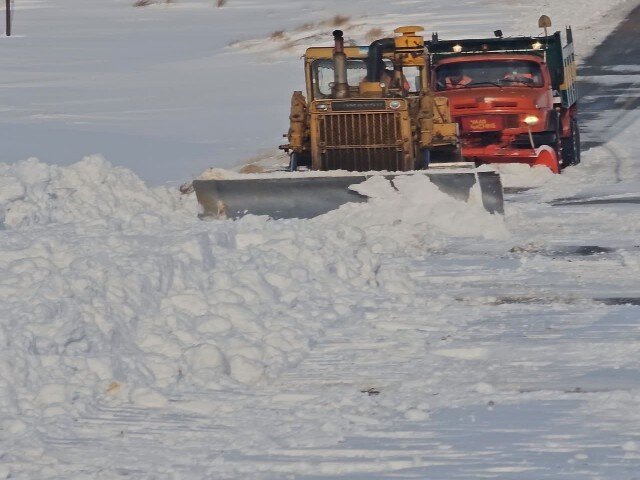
(404,338)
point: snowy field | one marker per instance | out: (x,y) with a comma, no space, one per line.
(402,338)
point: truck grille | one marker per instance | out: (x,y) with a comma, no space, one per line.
(507,120)
(511,121)
(361,141)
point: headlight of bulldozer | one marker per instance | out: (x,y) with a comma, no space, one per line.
(395,104)
(323,107)
(531,120)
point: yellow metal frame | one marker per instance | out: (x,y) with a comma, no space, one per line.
(424,120)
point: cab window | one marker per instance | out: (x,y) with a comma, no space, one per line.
(501,73)
(412,75)
(323,75)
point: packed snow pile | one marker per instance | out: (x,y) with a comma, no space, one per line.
(182,320)
(116,292)
(413,204)
(34,193)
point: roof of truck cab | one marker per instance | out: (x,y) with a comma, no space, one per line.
(479,57)
(502,44)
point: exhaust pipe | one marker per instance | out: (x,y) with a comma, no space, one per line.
(340,85)
(375,64)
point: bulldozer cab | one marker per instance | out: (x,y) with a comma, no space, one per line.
(369,108)
(320,73)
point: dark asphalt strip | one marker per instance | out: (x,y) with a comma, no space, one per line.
(620,49)
(597,201)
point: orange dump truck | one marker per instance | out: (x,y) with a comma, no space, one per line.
(513,98)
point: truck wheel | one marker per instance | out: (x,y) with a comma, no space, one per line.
(571,146)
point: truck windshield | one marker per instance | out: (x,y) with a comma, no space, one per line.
(323,75)
(483,73)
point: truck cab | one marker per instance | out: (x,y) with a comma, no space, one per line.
(513,98)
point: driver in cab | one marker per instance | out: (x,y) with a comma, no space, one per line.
(522,78)
(395,80)
(457,79)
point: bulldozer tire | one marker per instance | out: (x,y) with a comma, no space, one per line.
(297,160)
(571,146)
(293,161)
(440,155)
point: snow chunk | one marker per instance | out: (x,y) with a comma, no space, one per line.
(484,388)
(14,427)
(145,397)
(416,415)
(416,201)
(464,353)
(51,394)
(205,359)
(245,370)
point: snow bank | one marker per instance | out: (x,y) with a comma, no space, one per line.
(115,292)
(32,192)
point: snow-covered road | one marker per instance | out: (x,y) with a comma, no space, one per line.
(369,343)
(405,338)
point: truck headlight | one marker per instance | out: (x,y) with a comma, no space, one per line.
(457,48)
(323,107)
(531,120)
(536,46)
(395,104)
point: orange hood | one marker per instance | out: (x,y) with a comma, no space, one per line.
(469,101)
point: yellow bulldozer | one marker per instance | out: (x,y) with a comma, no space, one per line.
(368,110)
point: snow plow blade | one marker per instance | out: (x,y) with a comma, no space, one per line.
(308,197)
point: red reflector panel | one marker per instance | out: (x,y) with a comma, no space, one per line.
(485,123)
